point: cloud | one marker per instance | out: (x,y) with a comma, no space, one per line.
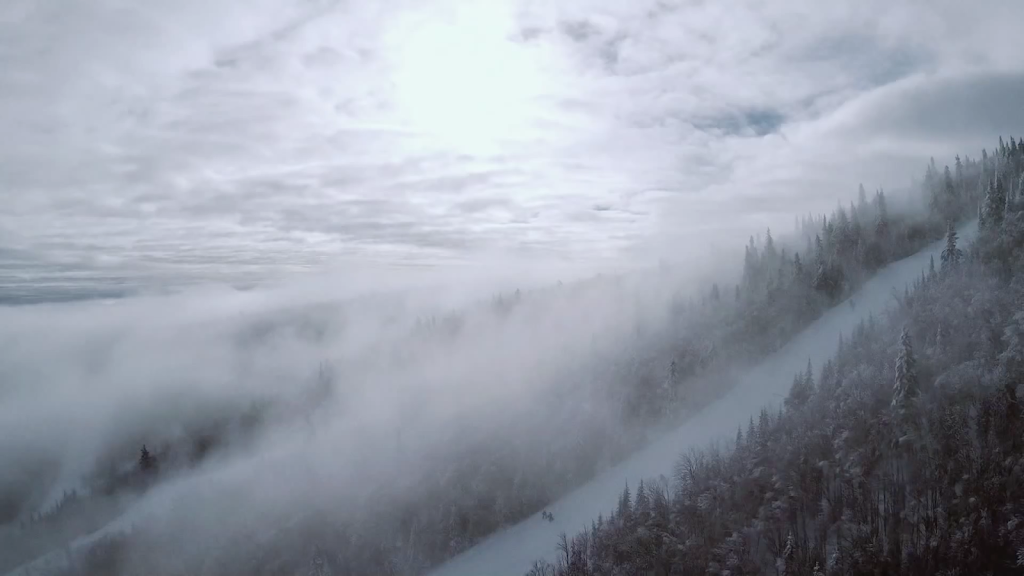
(233,135)
(950,112)
(86,382)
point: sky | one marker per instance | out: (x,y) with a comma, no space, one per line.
(173,142)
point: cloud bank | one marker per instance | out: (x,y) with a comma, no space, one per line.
(238,140)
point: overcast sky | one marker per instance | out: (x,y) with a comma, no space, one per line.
(220,139)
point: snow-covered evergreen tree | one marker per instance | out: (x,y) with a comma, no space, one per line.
(801,390)
(995,203)
(905,385)
(951,255)
(641,505)
(882,215)
(624,511)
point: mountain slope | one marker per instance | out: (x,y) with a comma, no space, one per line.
(513,551)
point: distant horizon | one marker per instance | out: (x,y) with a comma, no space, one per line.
(68,284)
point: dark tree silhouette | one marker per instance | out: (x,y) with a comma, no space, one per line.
(147,462)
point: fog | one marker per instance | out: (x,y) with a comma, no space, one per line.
(347,396)
(365,404)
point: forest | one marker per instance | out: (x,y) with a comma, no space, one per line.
(901,455)
(855,475)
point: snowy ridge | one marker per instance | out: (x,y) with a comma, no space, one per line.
(513,551)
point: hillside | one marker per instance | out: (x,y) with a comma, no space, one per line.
(901,454)
(766,384)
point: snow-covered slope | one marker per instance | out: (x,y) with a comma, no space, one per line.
(512,551)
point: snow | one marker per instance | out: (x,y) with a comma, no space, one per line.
(513,551)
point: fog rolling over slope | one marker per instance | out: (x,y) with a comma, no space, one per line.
(513,551)
(312,286)
(263,411)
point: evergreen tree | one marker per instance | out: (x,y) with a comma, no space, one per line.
(905,385)
(799,393)
(147,462)
(769,254)
(951,198)
(624,511)
(787,563)
(764,422)
(641,505)
(995,204)
(881,216)
(829,380)
(951,255)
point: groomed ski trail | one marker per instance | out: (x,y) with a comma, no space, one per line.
(512,551)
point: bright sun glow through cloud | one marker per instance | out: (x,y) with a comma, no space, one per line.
(461,82)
